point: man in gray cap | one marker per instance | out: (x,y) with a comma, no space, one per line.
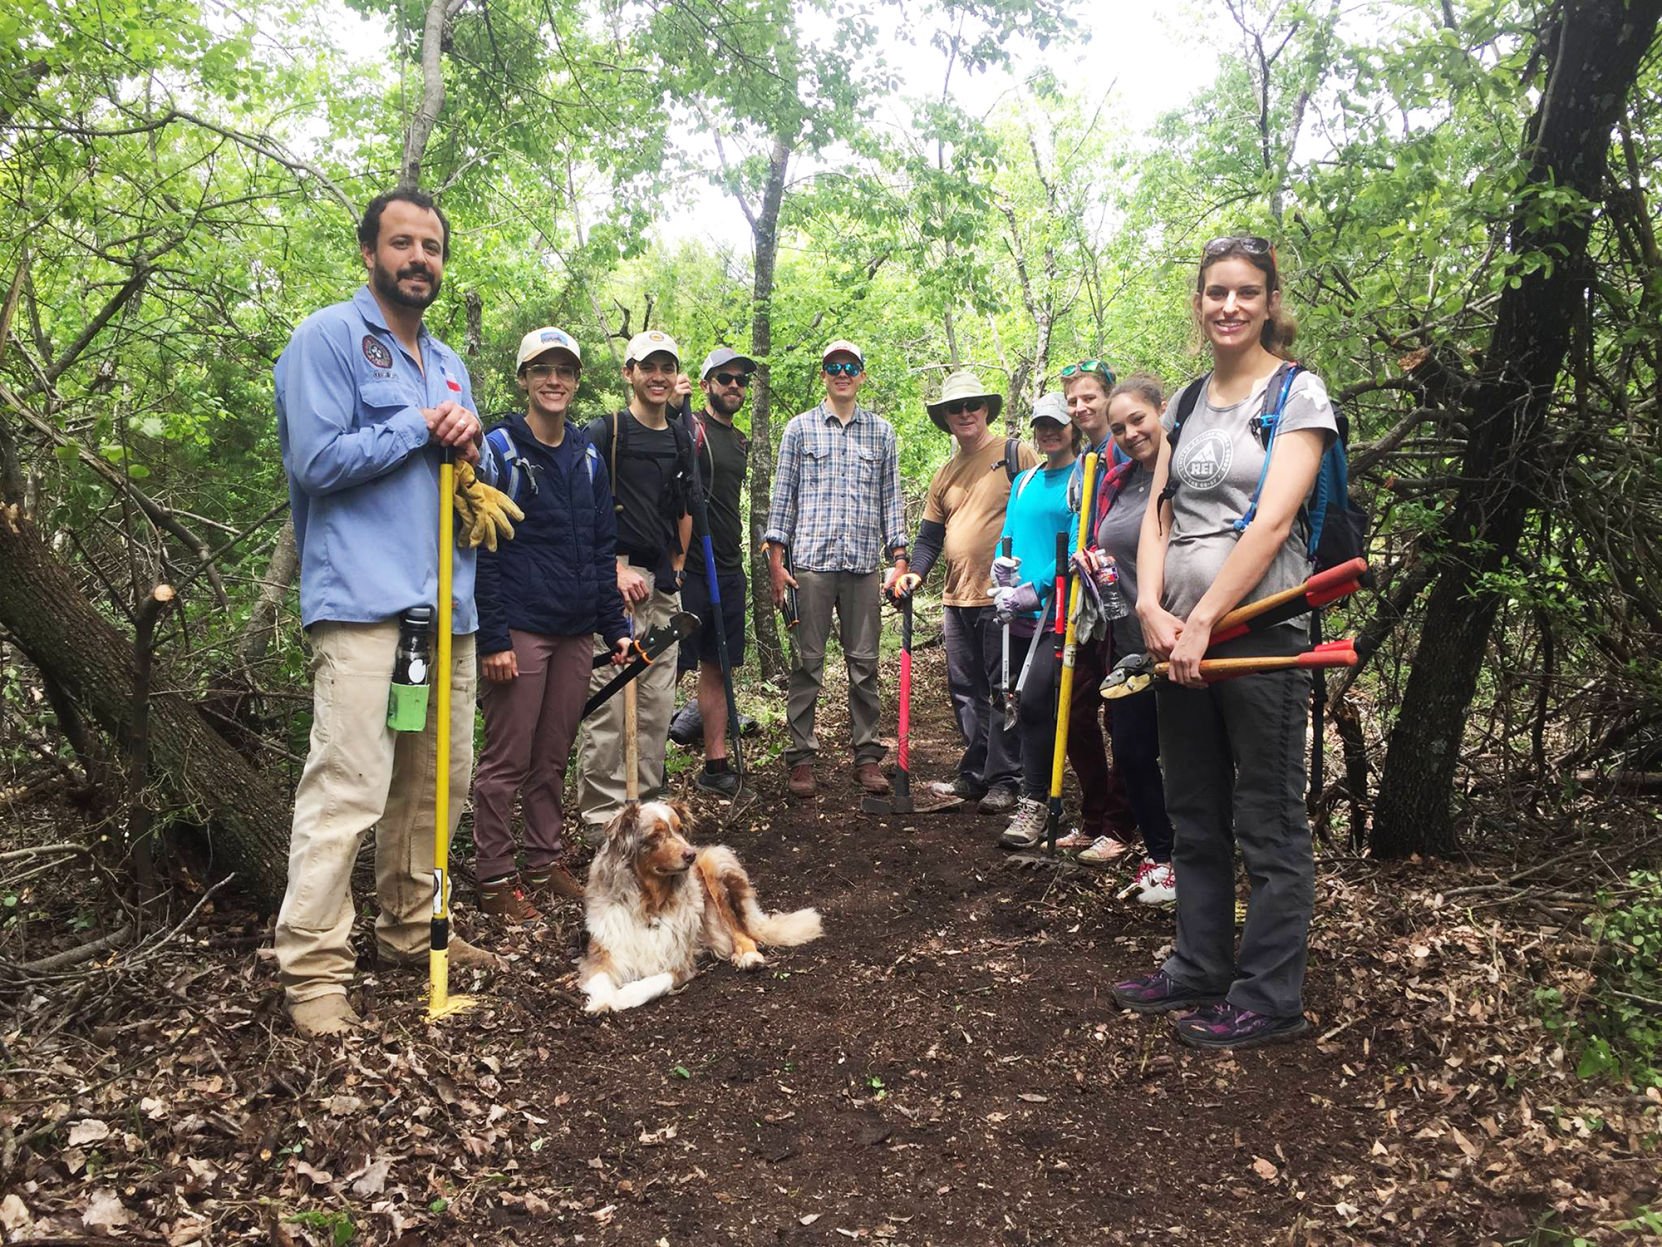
(722,453)
(963,515)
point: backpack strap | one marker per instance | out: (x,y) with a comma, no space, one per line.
(1185,408)
(617,435)
(1022,481)
(591,458)
(1268,424)
(1011,463)
(503,444)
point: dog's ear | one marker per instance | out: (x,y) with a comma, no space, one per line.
(683,816)
(625,828)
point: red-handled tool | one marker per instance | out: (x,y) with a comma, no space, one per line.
(1319,590)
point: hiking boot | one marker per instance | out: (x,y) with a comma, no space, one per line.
(504,898)
(686,726)
(324,1015)
(801,782)
(463,956)
(967,789)
(1000,800)
(1230,1027)
(1159,884)
(551,883)
(1027,828)
(724,783)
(872,779)
(1103,850)
(1160,993)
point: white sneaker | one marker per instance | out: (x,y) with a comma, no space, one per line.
(1104,849)
(1027,827)
(1159,886)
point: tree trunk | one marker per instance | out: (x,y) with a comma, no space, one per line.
(766,233)
(1594,53)
(427,112)
(245,812)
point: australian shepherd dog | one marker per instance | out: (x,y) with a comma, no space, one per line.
(654,902)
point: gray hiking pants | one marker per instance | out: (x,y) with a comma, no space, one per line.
(974,671)
(1233,755)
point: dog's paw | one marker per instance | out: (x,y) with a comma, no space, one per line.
(598,1005)
(752,960)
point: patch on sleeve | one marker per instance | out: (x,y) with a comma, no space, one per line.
(375,351)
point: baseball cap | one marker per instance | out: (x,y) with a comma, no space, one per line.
(1052,407)
(547,338)
(844,345)
(724,355)
(650,342)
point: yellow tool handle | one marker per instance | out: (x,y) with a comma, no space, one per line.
(1064,697)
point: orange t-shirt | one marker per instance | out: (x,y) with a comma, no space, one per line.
(968,495)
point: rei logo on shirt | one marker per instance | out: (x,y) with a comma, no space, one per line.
(1204,462)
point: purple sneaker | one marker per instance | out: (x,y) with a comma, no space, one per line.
(1160,993)
(1225,1026)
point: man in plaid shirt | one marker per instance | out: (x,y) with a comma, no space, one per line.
(837,508)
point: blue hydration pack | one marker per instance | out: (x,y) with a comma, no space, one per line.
(1336,529)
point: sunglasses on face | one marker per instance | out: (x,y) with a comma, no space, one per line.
(843,368)
(1095,367)
(968,404)
(1242,244)
(541,372)
(731,378)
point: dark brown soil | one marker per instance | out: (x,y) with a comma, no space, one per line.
(944,1067)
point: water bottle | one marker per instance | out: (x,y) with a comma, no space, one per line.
(411,671)
(1113,597)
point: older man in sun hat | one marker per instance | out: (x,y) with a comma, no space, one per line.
(962,518)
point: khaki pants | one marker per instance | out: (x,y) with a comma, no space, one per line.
(600,782)
(857,601)
(360,774)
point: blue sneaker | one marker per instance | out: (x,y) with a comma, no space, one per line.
(1160,993)
(1226,1026)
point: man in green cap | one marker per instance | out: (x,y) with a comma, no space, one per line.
(963,516)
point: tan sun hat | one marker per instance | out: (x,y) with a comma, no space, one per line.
(958,387)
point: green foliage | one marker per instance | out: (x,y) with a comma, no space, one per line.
(1617,1024)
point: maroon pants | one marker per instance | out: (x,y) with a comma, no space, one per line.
(530,723)
(1104,807)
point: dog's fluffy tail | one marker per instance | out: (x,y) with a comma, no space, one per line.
(783,930)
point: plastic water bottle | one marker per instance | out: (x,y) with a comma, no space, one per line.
(411,671)
(1114,605)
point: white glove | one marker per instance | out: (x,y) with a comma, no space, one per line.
(1005,572)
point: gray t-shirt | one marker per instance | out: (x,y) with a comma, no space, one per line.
(1217,466)
(1118,535)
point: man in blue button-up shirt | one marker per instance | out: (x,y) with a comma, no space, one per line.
(365,399)
(838,509)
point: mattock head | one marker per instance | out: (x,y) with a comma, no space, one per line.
(1131,674)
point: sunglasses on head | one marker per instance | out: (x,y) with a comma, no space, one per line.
(731,378)
(1243,244)
(843,368)
(1095,367)
(968,404)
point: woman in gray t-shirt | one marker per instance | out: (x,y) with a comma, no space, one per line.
(1233,752)
(1134,407)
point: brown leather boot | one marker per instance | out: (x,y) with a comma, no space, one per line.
(551,883)
(872,779)
(505,898)
(801,782)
